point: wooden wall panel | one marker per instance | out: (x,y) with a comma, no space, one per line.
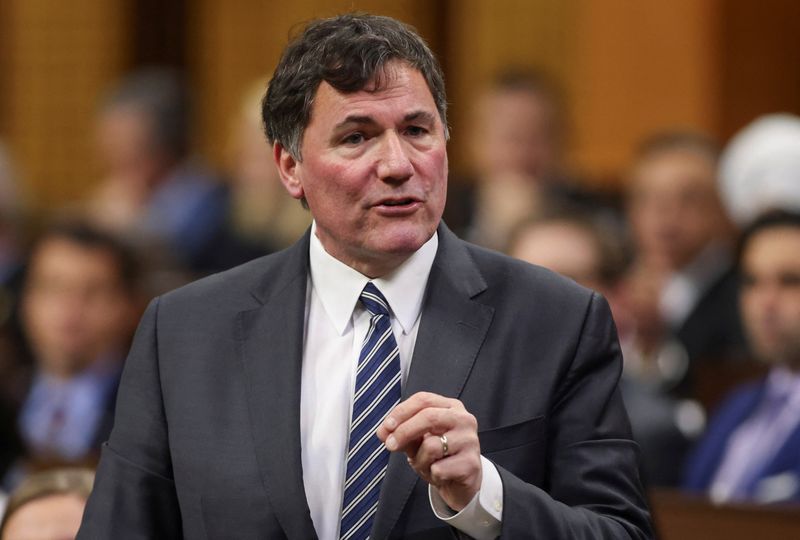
(59,57)
(760,61)
(641,66)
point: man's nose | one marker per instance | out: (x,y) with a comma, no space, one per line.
(393,162)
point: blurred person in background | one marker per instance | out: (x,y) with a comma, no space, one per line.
(517,137)
(585,248)
(78,308)
(155,192)
(47,505)
(574,244)
(751,451)
(261,212)
(683,280)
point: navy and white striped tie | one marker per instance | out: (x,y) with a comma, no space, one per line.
(377,391)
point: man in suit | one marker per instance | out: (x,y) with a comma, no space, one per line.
(682,238)
(751,450)
(241,402)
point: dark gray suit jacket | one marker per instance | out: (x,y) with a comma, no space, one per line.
(206,442)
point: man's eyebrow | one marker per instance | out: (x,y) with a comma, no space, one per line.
(355,119)
(423,116)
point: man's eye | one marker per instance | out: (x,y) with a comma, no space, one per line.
(790,280)
(354,138)
(416,131)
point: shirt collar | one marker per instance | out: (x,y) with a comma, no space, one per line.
(781,381)
(339,286)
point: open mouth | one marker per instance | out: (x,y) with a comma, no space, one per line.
(398,202)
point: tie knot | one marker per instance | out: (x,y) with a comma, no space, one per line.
(373,300)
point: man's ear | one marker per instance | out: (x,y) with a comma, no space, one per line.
(288,170)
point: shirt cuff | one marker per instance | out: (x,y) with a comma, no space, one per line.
(483,516)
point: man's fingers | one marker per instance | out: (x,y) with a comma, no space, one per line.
(430,420)
(457,469)
(453,465)
(413,405)
(430,450)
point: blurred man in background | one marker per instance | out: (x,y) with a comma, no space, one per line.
(79,308)
(518,143)
(573,244)
(155,192)
(682,238)
(751,450)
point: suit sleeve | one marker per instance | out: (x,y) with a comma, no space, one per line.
(592,488)
(134,493)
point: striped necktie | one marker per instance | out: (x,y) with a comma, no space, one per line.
(377,391)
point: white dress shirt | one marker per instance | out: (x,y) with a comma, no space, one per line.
(685,287)
(336,324)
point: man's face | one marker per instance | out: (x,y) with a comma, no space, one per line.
(373,170)
(770,294)
(125,142)
(74,306)
(674,207)
(562,247)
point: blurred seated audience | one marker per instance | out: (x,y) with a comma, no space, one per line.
(760,167)
(79,307)
(588,250)
(517,140)
(155,192)
(751,450)
(47,505)
(682,236)
(262,212)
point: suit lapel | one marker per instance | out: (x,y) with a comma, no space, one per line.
(271,351)
(452,329)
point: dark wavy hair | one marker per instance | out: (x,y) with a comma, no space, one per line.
(775,218)
(347,52)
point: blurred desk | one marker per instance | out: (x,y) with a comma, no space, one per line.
(681,517)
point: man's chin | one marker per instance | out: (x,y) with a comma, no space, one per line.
(403,245)
(66,365)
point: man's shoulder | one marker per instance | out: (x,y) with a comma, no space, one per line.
(253,281)
(511,276)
